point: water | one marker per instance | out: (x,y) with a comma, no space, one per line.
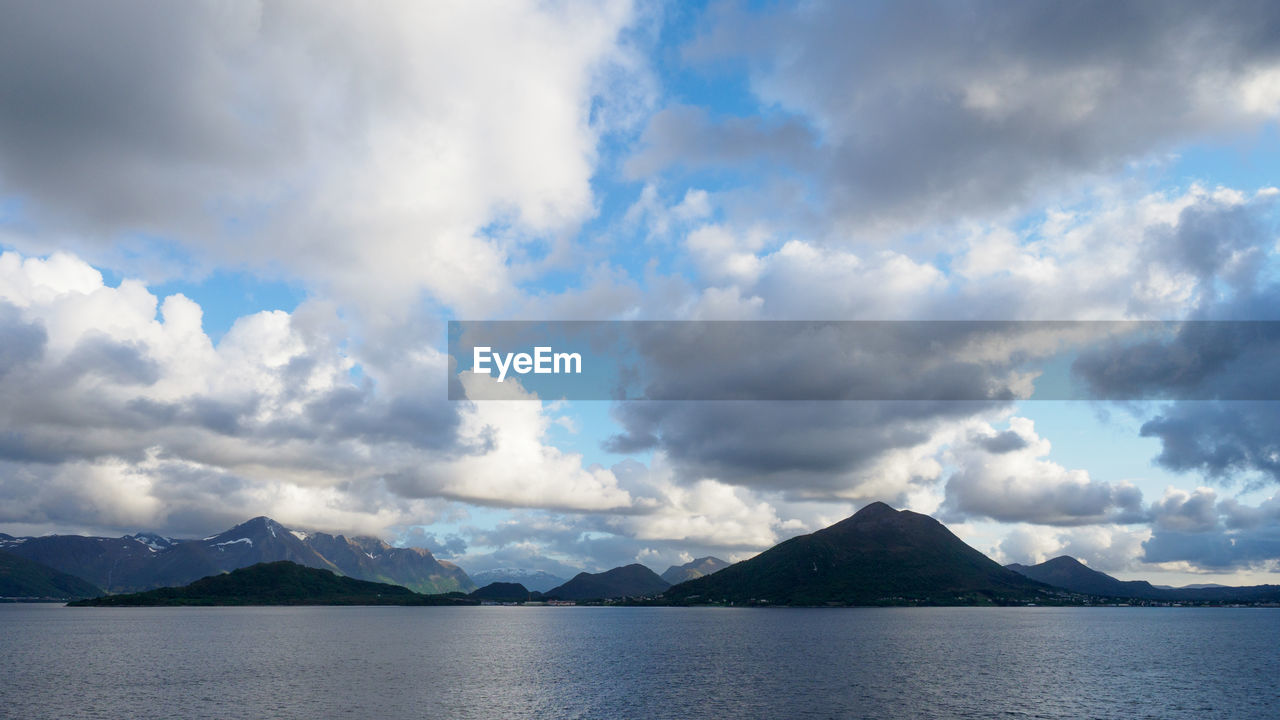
(499,662)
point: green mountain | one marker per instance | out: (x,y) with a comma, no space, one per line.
(504,592)
(277,583)
(23,578)
(633,580)
(878,556)
(1070,574)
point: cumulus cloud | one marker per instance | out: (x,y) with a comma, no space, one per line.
(1006,476)
(327,142)
(1106,548)
(897,117)
(1115,253)
(400,162)
(119,411)
(1189,531)
(1199,530)
(1222,245)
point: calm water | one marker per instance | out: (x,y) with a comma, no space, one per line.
(495,662)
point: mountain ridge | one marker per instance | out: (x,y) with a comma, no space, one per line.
(634,580)
(25,579)
(1070,574)
(146,561)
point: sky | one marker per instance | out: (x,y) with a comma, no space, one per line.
(233,234)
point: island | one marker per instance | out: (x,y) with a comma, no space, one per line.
(276,583)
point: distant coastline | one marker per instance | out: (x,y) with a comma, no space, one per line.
(878,557)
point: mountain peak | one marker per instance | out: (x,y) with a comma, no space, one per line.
(261,520)
(1064,561)
(695,568)
(875,509)
(632,580)
(883,516)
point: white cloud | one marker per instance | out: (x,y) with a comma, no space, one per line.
(1007,477)
(1106,548)
(128,417)
(362,152)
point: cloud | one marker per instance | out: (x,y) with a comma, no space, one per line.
(527,556)
(118,411)
(701,513)
(1199,530)
(1106,548)
(896,117)
(1184,511)
(1113,253)
(1014,482)
(1214,377)
(449,547)
(322,142)
(23,341)
(896,393)
(417,161)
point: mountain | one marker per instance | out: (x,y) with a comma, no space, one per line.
(145,561)
(154,541)
(677,574)
(112,564)
(535,580)
(504,592)
(633,580)
(1070,574)
(369,558)
(877,556)
(276,583)
(23,578)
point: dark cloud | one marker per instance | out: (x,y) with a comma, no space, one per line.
(805,448)
(1215,550)
(1186,512)
(1198,360)
(125,363)
(119,113)
(1007,441)
(1199,529)
(942,371)
(1217,371)
(1227,346)
(925,111)
(710,389)
(23,342)
(1222,379)
(1220,440)
(688,136)
(419,419)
